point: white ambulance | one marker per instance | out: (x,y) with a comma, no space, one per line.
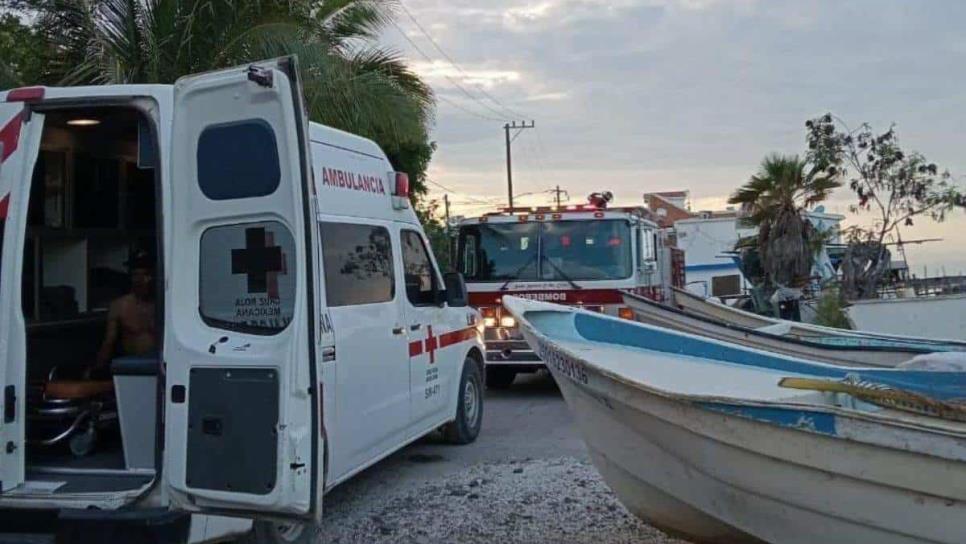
(298,330)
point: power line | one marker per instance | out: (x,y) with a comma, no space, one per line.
(465,197)
(448,78)
(445,55)
(466,110)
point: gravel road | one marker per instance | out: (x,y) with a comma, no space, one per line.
(527,479)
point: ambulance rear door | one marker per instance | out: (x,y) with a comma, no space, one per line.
(242,434)
(20,132)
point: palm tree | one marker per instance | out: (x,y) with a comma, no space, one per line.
(775,201)
(349,83)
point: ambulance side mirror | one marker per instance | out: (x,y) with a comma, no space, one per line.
(456,295)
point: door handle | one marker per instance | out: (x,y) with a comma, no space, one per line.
(416,327)
(398,330)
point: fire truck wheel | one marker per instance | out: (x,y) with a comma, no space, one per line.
(500,377)
(281,532)
(469,410)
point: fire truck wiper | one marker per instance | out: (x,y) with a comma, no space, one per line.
(517,272)
(563,275)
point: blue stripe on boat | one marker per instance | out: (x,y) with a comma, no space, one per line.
(939,385)
(818,422)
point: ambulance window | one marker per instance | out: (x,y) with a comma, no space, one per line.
(358,264)
(418,267)
(238,160)
(248,277)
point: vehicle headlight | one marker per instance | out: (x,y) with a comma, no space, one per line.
(489,321)
(507,321)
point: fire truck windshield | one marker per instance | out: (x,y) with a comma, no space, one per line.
(551,251)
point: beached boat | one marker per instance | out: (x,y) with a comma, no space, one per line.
(653,313)
(699,438)
(695,304)
(937,317)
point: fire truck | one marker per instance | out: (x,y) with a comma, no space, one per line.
(582,255)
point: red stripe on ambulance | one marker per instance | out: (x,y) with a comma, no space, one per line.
(10,135)
(432,343)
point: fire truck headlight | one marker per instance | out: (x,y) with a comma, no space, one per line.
(625,313)
(489,322)
(507,321)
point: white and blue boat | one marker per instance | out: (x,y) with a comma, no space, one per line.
(695,305)
(842,350)
(721,443)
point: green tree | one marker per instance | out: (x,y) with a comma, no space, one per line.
(895,185)
(19,46)
(775,201)
(349,82)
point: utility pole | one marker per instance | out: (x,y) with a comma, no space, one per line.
(509,169)
(449,238)
(557,192)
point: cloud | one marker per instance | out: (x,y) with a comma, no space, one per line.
(438,71)
(542,97)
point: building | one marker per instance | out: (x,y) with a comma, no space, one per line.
(708,239)
(668,207)
(708,242)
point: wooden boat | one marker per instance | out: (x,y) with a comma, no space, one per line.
(937,317)
(695,304)
(653,313)
(699,438)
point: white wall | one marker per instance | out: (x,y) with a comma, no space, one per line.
(706,241)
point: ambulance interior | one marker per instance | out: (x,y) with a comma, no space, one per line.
(91,243)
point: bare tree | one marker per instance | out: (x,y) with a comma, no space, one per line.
(897,186)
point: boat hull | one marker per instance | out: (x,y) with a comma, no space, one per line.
(668,466)
(696,305)
(653,313)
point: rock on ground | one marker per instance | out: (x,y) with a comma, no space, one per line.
(560,500)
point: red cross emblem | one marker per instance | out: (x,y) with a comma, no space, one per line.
(431,344)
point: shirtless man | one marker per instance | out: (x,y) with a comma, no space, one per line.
(131,318)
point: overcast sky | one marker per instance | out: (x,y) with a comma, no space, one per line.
(635,96)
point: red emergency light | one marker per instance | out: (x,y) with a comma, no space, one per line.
(401,185)
(400,190)
(26,94)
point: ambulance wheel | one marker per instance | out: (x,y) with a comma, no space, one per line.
(500,377)
(469,409)
(281,532)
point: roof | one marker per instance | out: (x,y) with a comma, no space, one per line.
(672,212)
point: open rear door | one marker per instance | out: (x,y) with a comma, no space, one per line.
(20,133)
(241,431)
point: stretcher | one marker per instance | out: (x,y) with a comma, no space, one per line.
(71,412)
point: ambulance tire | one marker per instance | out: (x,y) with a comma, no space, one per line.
(500,377)
(469,407)
(273,532)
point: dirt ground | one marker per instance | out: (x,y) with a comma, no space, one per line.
(527,479)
